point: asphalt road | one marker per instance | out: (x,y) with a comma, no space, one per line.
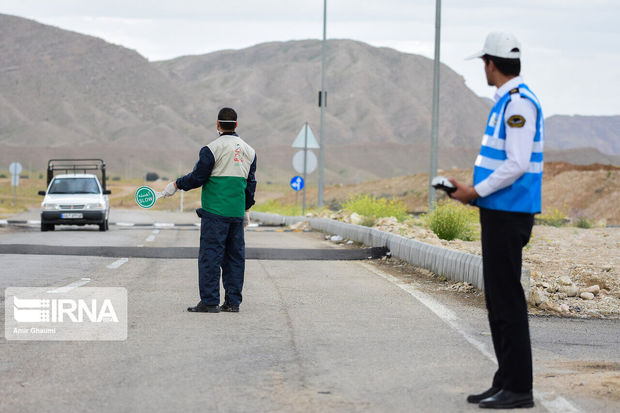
(341,336)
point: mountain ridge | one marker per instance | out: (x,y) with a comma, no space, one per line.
(67,94)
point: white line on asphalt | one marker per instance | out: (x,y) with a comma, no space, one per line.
(140,245)
(4,222)
(163,225)
(549,401)
(156,231)
(117,263)
(150,238)
(71,286)
(447,315)
(33,222)
(125,224)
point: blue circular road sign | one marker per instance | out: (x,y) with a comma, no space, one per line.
(297,183)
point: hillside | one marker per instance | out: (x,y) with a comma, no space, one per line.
(63,94)
(571,132)
(592,191)
(66,93)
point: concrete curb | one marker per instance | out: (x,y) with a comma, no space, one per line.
(454,265)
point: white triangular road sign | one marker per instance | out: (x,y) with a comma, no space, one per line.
(299,140)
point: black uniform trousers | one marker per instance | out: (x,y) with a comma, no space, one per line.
(504,234)
(222,251)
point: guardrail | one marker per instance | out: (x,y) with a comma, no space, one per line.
(454,265)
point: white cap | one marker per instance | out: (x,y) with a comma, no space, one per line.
(500,44)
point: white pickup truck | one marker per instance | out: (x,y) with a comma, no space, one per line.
(74,199)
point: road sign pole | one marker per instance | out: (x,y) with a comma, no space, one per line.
(323,102)
(303,207)
(435,125)
(15,168)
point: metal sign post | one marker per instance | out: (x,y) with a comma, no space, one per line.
(303,202)
(305,161)
(297,183)
(15,169)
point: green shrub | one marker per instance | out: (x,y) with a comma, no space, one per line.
(450,221)
(583,222)
(369,206)
(276,207)
(152,176)
(368,221)
(554,218)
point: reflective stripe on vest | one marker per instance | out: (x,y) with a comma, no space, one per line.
(524,195)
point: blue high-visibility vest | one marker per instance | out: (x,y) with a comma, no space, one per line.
(524,195)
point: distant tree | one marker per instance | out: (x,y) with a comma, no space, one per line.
(152,176)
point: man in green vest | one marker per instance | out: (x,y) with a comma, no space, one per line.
(225,171)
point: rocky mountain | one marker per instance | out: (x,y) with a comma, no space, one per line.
(572,132)
(63,94)
(67,94)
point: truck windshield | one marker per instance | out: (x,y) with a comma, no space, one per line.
(74,186)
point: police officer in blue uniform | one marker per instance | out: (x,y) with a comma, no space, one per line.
(507,190)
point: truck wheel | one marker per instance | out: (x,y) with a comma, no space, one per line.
(103,226)
(44,227)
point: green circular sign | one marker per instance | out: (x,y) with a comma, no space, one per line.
(145,197)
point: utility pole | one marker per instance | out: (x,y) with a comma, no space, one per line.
(435,124)
(322,104)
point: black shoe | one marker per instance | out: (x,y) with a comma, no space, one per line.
(506,399)
(229,308)
(477,398)
(203,308)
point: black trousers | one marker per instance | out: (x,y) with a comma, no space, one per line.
(504,234)
(222,250)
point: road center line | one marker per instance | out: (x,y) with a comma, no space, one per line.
(549,401)
(117,263)
(70,286)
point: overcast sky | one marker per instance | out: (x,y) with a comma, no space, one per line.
(571,48)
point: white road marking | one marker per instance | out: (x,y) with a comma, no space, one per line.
(125,224)
(117,263)
(150,238)
(4,222)
(156,231)
(34,222)
(140,245)
(70,286)
(163,225)
(554,404)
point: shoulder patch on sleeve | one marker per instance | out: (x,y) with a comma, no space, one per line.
(514,91)
(516,121)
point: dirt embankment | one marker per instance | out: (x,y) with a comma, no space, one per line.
(589,191)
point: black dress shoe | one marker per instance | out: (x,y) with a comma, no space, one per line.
(506,399)
(203,308)
(477,398)
(229,308)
